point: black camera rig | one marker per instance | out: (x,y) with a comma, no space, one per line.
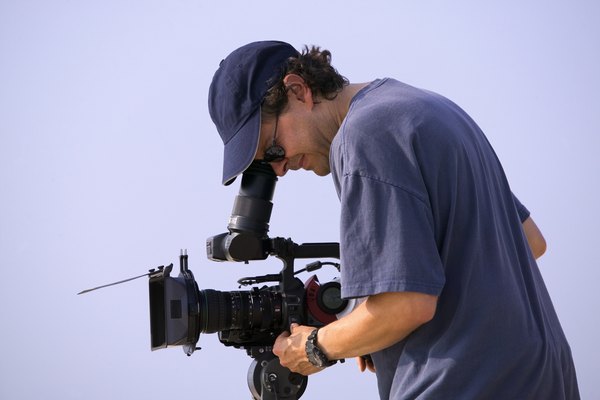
(248,319)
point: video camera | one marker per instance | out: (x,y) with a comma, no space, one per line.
(249,319)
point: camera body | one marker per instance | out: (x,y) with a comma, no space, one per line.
(250,319)
(179,311)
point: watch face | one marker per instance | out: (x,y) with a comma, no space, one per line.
(314,354)
(314,360)
(310,349)
(310,353)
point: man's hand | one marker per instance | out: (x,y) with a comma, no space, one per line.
(364,363)
(535,239)
(291,350)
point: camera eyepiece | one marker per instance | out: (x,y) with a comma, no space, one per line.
(249,222)
(252,207)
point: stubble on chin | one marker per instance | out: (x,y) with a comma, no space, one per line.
(322,171)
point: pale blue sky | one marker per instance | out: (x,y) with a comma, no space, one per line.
(109,164)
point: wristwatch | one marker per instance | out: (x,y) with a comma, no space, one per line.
(315,354)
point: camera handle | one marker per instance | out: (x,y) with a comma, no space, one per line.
(287,251)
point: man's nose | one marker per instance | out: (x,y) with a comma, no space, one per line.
(279,167)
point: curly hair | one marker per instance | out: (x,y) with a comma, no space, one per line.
(314,66)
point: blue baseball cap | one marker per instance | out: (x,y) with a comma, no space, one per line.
(235,96)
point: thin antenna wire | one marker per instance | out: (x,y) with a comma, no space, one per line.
(112,284)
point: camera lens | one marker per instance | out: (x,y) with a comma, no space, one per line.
(254,310)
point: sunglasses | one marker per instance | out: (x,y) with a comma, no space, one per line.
(274,153)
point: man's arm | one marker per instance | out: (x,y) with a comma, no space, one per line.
(377,323)
(536,240)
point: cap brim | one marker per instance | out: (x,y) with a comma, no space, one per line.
(240,150)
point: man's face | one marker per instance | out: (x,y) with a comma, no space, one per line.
(299,132)
(300,140)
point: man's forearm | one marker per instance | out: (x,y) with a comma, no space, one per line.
(377,323)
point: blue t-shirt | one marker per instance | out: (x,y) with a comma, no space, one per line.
(426,207)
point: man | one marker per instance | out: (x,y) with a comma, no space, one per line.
(431,234)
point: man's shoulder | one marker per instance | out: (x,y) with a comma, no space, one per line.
(386,105)
(389,102)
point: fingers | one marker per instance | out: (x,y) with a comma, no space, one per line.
(370,365)
(280,343)
(284,341)
(365,363)
(361,364)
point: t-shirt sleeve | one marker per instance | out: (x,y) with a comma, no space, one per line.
(521,209)
(387,242)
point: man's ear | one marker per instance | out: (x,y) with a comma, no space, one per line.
(297,87)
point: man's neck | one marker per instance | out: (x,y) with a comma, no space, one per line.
(344,99)
(336,110)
